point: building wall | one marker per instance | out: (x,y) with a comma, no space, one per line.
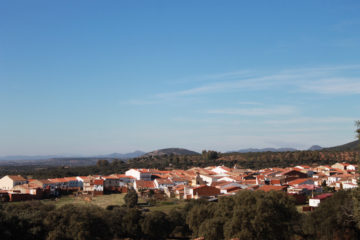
(6,183)
(134,173)
(205,191)
(314,202)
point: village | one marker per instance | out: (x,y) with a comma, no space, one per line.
(308,185)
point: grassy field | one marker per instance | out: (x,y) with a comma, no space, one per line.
(113,199)
(101,201)
(167,206)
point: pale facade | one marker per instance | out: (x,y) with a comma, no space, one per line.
(139,174)
(8,182)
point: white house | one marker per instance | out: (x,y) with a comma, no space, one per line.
(163,183)
(221,170)
(139,174)
(179,181)
(209,179)
(60,182)
(99,185)
(74,182)
(315,201)
(227,179)
(349,185)
(124,179)
(10,181)
(352,167)
(112,182)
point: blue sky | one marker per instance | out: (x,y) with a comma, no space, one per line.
(94,77)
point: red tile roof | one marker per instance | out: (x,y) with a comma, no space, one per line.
(298,181)
(268,188)
(71,178)
(16,178)
(57,180)
(323,196)
(141,184)
(163,181)
(99,181)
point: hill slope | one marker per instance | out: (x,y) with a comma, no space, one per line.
(345,147)
(169,151)
(249,150)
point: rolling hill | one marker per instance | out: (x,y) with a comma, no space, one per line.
(169,151)
(351,146)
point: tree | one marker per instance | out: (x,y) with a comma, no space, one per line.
(177,220)
(131,223)
(356,193)
(29,218)
(212,228)
(260,215)
(333,219)
(78,223)
(209,155)
(156,225)
(131,199)
(199,212)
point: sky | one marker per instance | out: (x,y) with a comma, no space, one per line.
(96,77)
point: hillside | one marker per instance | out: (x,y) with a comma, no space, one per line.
(249,150)
(351,146)
(171,151)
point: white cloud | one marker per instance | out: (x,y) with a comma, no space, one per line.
(140,102)
(321,80)
(311,120)
(278,110)
(302,78)
(335,86)
(249,103)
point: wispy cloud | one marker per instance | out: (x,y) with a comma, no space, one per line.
(249,103)
(302,78)
(335,86)
(311,120)
(278,110)
(218,76)
(140,102)
(321,80)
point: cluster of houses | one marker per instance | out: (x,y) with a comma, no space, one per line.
(302,182)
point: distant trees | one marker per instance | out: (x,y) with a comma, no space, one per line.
(209,155)
(357,125)
(102,163)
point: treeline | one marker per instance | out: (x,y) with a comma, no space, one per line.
(247,215)
(208,158)
(103,167)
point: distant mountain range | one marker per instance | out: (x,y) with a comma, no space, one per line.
(45,157)
(122,155)
(78,160)
(169,151)
(315,148)
(247,150)
(345,147)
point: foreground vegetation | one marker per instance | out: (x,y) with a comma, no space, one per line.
(247,215)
